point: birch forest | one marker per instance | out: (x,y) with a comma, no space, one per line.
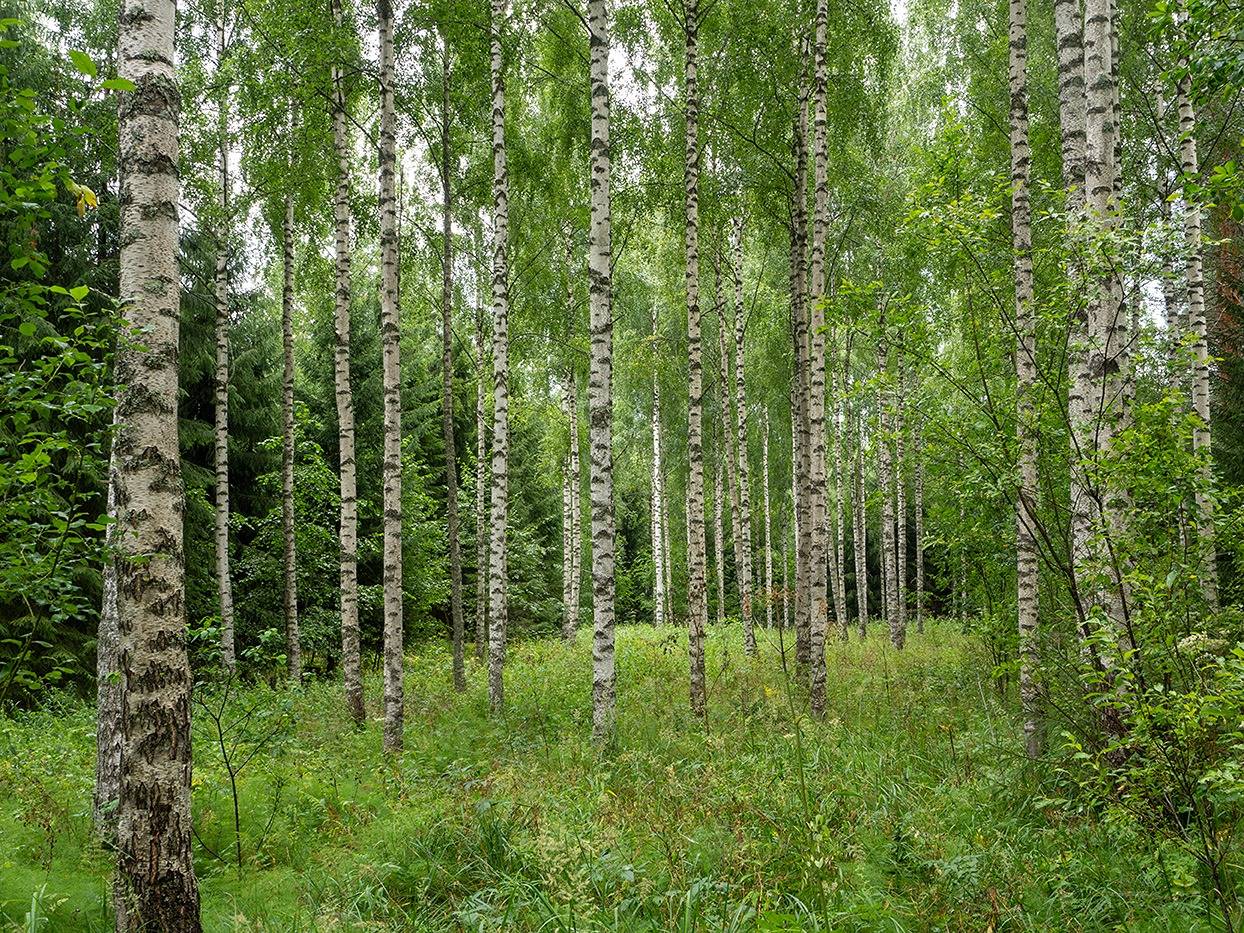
(643,465)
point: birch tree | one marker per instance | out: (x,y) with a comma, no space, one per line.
(481,463)
(600,384)
(351,663)
(155,883)
(447,381)
(659,539)
(740,407)
(292,640)
(390,337)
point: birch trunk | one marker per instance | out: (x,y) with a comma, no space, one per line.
(658,508)
(452,526)
(1189,164)
(740,407)
(818,596)
(292,640)
(576,505)
(351,664)
(697,603)
(109,738)
(842,496)
(917,452)
(155,883)
(568,628)
(764,461)
(727,436)
(719,543)
(801,441)
(885,480)
(900,502)
(481,465)
(859,530)
(1025,375)
(667,570)
(224,583)
(390,337)
(500,366)
(600,383)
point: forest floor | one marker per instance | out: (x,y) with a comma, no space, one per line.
(905,809)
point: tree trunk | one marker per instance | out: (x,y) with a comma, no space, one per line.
(1195,279)
(1026,377)
(841,497)
(351,664)
(719,538)
(697,603)
(499,609)
(292,640)
(818,598)
(481,466)
(390,337)
(155,883)
(859,530)
(576,506)
(568,627)
(740,408)
(801,441)
(900,501)
(109,738)
(600,383)
(885,480)
(917,453)
(727,434)
(224,583)
(659,540)
(764,466)
(447,384)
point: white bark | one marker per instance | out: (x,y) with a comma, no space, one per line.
(481,465)
(859,530)
(740,407)
(292,639)
(224,584)
(659,544)
(764,460)
(155,883)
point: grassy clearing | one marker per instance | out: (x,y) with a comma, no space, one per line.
(905,809)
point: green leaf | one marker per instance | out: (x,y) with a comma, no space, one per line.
(79,292)
(26,329)
(83,63)
(118,84)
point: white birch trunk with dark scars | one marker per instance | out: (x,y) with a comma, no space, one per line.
(452,525)
(108,736)
(885,476)
(224,583)
(818,582)
(801,441)
(842,496)
(351,663)
(697,596)
(917,452)
(859,528)
(728,451)
(900,500)
(390,339)
(600,382)
(498,607)
(764,468)
(1195,279)
(719,542)
(155,883)
(1025,376)
(293,641)
(481,463)
(740,409)
(659,543)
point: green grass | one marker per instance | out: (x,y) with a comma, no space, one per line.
(905,809)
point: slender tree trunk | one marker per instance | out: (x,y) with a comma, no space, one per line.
(801,440)
(727,434)
(600,383)
(659,543)
(1026,377)
(764,462)
(155,883)
(109,738)
(917,453)
(818,599)
(740,383)
(859,530)
(224,583)
(719,539)
(499,609)
(292,639)
(390,337)
(842,496)
(667,570)
(900,501)
(576,506)
(885,479)
(447,383)
(351,664)
(568,627)
(697,608)
(1189,163)
(961,575)
(481,465)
